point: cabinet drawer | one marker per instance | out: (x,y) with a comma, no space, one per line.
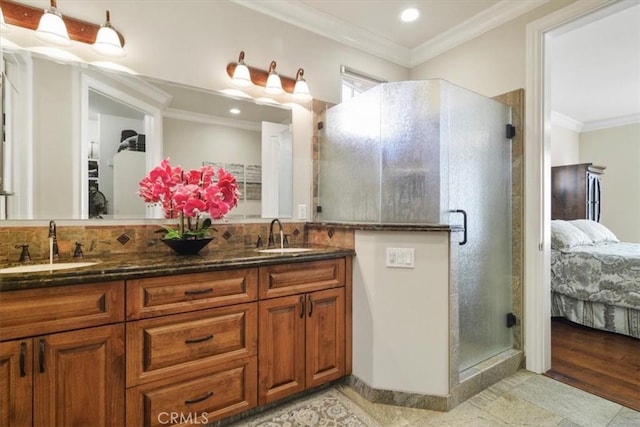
(295,278)
(41,311)
(209,395)
(182,343)
(187,292)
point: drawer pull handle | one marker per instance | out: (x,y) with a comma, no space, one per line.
(23,350)
(41,356)
(301,307)
(197,340)
(199,399)
(199,291)
(310,306)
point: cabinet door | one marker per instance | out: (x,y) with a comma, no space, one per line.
(15,383)
(325,344)
(281,369)
(79,378)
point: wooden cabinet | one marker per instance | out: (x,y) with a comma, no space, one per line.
(75,377)
(193,352)
(188,292)
(16,383)
(78,377)
(199,397)
(575,191)
(182,349)
(302,335)
(174,345)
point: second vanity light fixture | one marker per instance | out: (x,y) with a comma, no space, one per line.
(52,27)
(274,84)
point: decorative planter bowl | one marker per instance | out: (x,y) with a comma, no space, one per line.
(187,246)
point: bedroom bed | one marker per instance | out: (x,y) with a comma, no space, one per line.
(595,278)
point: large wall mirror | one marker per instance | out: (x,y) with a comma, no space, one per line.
(78,139)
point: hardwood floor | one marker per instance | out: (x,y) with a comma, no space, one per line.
(599,362)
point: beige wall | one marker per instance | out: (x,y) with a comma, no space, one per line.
(619,150)
(565,146)
(491,64)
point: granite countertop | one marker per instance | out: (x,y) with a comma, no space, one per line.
(385,227)
(133,266)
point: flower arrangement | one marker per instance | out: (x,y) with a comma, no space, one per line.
(195,197)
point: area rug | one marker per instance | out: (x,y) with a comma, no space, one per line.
(328,408)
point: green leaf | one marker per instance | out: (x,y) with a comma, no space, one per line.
(172,234)
(206,223)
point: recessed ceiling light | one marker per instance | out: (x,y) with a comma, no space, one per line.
(410,14)
(234,111)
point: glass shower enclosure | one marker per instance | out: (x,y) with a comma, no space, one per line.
(430,152)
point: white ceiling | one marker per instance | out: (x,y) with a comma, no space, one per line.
(374,26)
(595,70)
(594,62)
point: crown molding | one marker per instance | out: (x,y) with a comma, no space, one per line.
(611,123)
(190,116)
(558,119)
(310,19)
(160,97)
(566,122)
(303,16)
(498,14)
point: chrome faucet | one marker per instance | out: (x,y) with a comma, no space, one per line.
(53,238)
(271,240)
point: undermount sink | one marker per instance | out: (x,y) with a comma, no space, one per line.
(283,250)
(33,268)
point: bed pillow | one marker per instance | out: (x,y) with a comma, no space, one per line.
(565,236)
(597,232)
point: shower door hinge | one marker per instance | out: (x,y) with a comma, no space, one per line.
(511,320)
(511,131)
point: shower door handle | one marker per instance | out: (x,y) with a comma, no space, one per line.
(464,225)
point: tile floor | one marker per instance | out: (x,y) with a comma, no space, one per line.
(523,399)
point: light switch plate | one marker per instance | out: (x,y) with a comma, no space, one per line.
(401,257)
(302,211)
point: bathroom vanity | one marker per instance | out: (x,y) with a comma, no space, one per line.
(136,341)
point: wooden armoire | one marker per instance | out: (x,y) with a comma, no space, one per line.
(575,191)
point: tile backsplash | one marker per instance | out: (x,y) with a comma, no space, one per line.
(116,239)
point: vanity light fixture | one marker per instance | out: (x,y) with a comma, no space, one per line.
(301,89)
(33,18)
(274,85)
(241,76)
(3,25)
(108,42)
(52,28)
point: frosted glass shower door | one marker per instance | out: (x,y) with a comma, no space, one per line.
(479,173)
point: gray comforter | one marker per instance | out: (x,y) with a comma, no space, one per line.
(607,273)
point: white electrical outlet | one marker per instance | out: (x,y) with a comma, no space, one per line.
(401,257)
(302,211)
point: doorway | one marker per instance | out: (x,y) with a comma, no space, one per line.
(537,181)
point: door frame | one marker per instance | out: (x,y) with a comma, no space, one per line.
(537,203)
